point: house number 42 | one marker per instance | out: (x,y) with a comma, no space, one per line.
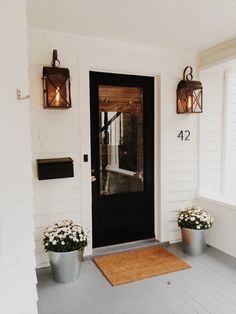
(184,135)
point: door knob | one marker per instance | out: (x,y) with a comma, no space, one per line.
(93,178)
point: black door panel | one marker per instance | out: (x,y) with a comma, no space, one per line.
(122,145)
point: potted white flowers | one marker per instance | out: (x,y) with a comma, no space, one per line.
(65,242)
(193,221)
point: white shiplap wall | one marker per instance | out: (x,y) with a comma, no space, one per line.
(218,132)
(223,233)
(212,131)
(230,140)
(182,170)
(67,133)
(17,261)
(217,155)
(55,134)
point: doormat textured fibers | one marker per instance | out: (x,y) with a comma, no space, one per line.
(129,266)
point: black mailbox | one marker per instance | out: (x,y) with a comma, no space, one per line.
(55,168)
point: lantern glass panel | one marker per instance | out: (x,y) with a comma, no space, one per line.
(197,100)
(182,100)
(56,96)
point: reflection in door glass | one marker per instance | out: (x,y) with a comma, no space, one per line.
(120,139)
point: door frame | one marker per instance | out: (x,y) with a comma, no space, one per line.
(160,215)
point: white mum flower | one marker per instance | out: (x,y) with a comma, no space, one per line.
(54,242)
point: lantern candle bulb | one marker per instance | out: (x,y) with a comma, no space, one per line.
(58,96)
(189,103)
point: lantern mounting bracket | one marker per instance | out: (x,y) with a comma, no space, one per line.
(55,59)
(189,76)
(19,97)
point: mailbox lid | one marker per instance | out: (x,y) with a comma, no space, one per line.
(54,160)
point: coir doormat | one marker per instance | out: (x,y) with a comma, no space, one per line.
(129,266)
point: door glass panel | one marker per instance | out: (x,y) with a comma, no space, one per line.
(120,139)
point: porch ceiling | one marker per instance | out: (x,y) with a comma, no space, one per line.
(192,25)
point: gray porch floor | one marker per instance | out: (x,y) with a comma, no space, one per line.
(208,287)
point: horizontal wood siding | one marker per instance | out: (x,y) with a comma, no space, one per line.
(55,134)
(182,170)
(17,259)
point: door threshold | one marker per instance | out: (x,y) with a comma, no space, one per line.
(110,249)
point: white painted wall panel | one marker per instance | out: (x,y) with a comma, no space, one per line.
(17,260)
(231,135)
(218,157)
(55,134)
(222,235)
(211,131)
(218,132)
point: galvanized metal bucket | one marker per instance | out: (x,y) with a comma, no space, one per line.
(65,266)
(193,241)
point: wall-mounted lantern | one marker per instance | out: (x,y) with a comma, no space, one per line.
(56,85)
(189,94)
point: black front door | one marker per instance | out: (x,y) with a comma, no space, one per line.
(122,145)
